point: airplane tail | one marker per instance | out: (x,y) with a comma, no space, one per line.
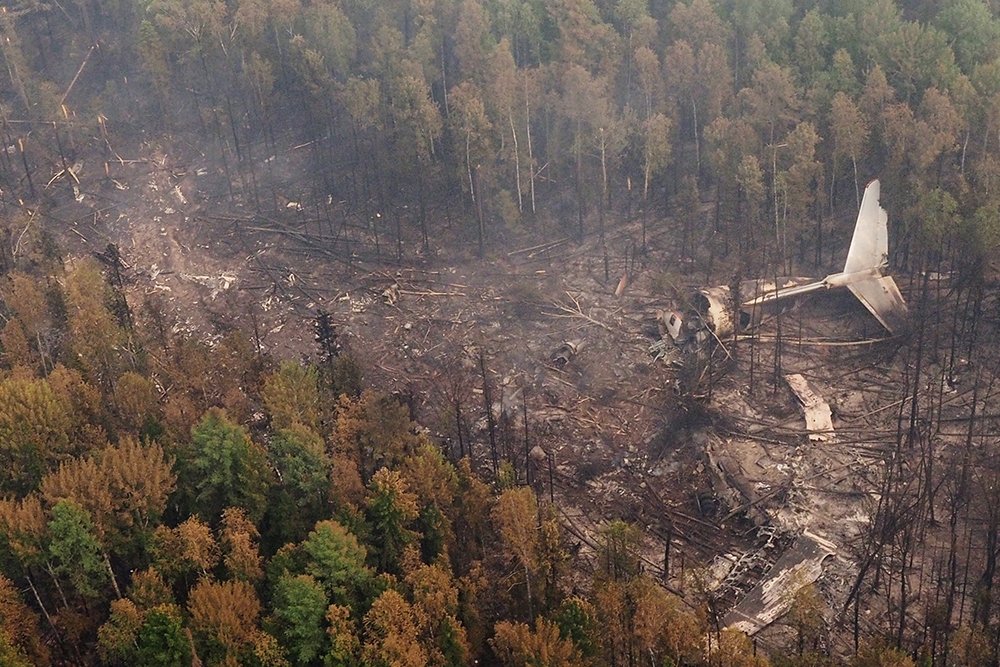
(870,252)
(862,275)
(870,244)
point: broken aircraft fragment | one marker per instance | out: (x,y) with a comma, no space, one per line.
(799,566)
(867,258)
(819,421)
(565,352)
(734,484)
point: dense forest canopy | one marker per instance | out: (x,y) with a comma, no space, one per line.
(526,110)
(171,502)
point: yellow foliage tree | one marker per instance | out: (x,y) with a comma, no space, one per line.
(435,595)
(392,628)
(188,548)
(85,404)
(734,649)
(136,399)
(660,625)
(124,487)
(291,395)
(516,645)
(342,631)
(515,516)
(35,432)
(224,617)
(95,337)
(240,556)
(374,430)
(32,322)
(19,625)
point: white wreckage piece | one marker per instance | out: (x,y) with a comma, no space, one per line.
(819,419)
(863,275)
(800,565)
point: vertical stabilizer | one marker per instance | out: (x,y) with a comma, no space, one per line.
(870,245)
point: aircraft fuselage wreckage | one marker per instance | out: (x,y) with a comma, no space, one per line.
(714,314)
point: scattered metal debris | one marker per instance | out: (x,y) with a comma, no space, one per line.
(391,294)
(734,484)
(665,351)
(565,352)
(219,283)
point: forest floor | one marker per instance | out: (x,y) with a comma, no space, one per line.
(623,444)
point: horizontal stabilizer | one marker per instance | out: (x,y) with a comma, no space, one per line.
(881,297)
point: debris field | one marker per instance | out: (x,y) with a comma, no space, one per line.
(771,474)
